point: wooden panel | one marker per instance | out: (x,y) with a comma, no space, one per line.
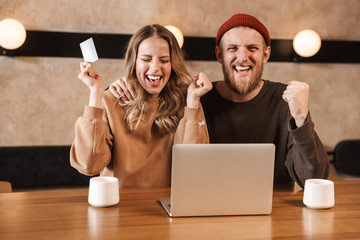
(65,44)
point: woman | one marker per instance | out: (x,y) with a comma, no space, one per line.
(133,140)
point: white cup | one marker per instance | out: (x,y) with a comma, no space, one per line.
(319,193)
(103,191)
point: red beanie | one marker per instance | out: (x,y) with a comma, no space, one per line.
(241,19)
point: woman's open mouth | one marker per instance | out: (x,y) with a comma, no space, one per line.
(154,81)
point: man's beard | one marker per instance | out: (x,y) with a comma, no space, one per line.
(244,85)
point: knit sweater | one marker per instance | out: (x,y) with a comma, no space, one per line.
(266,119)
(105,144)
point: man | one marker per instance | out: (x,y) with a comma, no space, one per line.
(246,109)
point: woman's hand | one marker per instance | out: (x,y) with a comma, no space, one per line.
(197,88)
(94,82)
(88,76)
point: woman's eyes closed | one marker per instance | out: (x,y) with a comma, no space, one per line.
(149,60)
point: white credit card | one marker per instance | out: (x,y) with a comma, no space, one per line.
(89,51)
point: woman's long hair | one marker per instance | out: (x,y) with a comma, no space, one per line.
(172,98)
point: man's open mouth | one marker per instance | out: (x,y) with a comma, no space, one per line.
(242,68)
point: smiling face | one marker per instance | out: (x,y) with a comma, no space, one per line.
(153,66)
(242,53)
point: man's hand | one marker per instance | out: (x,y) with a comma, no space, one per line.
(297,96)
(121,90)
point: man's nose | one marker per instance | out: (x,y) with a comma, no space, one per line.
(242,54)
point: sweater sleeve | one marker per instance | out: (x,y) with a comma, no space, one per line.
(192,127)
(306,157)
(91,150)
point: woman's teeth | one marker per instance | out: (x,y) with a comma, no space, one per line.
(153,78)
(154,81)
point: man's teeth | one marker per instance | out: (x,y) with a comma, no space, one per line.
(153,78)
(239,68)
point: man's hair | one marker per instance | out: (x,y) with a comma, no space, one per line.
(221,42)
(245,20)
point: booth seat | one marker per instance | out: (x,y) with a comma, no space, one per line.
(347,156)
(31,167)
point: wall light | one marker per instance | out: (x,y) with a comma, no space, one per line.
(307,43)
(177,33)
(12,33)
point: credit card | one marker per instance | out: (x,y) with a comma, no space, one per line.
(89,51)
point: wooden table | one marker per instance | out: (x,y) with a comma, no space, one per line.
(66,214)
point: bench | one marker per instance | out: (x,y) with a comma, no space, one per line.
(31,167)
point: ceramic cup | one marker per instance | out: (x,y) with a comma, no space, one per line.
(319,193)
(103,191)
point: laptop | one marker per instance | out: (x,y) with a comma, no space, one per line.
(221,179)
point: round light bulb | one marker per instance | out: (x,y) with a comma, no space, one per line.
(12,33)
(177,33)
(307,43)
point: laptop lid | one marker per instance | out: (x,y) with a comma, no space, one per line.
(221,179)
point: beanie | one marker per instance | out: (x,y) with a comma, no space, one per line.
(241,19)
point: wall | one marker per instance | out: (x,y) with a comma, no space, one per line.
(41,98)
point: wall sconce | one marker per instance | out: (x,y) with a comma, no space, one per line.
(177,33)
(307,43)
(12,33)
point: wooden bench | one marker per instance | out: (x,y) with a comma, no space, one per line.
(5,187)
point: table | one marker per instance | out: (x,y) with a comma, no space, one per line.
(66,214)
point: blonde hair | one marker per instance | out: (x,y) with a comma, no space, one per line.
(172,98)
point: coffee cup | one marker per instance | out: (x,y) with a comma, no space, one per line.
(319,193)
(103,191)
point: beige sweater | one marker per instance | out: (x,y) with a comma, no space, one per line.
(141,158)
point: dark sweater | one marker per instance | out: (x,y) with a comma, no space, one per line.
(266,119)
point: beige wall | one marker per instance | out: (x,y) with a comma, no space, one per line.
(41,98)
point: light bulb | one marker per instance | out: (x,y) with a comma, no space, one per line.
(12,33)
(307,43)
(177,33)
